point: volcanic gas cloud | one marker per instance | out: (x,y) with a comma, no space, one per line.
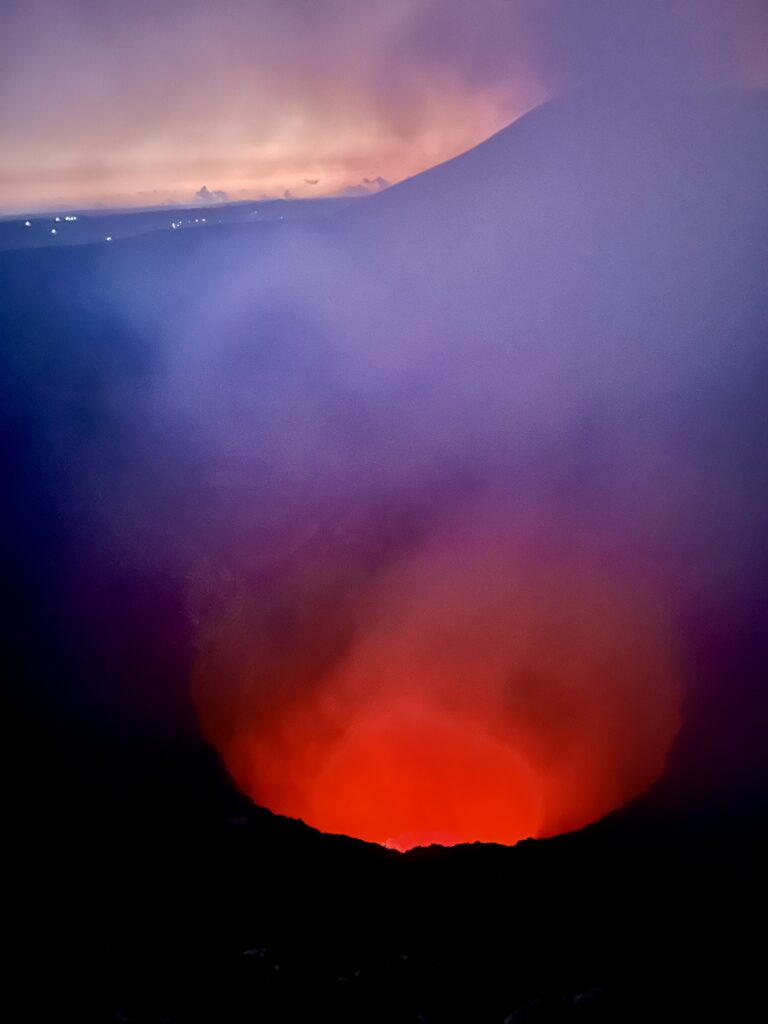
(480,449)
(468,690)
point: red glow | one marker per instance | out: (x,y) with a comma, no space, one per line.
(478,695)
(423,778)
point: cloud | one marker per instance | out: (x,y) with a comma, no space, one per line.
(367,187)
(204,195)
(400,86)
(470,441)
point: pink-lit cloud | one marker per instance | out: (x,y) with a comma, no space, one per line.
(100,102)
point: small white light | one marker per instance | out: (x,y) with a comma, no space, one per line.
(58,219)
(53,231)
(109,238)
(27,223)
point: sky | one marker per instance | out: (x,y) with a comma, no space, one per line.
(143,103)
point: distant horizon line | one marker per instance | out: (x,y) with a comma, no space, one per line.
(85,211)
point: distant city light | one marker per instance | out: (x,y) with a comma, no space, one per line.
(68,218)
(58,219)
(109,238)
(53,231)
(27,223)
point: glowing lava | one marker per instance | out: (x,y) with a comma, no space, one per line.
(467,693)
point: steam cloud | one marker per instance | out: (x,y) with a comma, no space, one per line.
(467,457)
(492,479)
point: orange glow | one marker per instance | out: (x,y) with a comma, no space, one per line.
(422,777)
(468,693)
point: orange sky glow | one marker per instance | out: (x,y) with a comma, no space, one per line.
(141,104)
